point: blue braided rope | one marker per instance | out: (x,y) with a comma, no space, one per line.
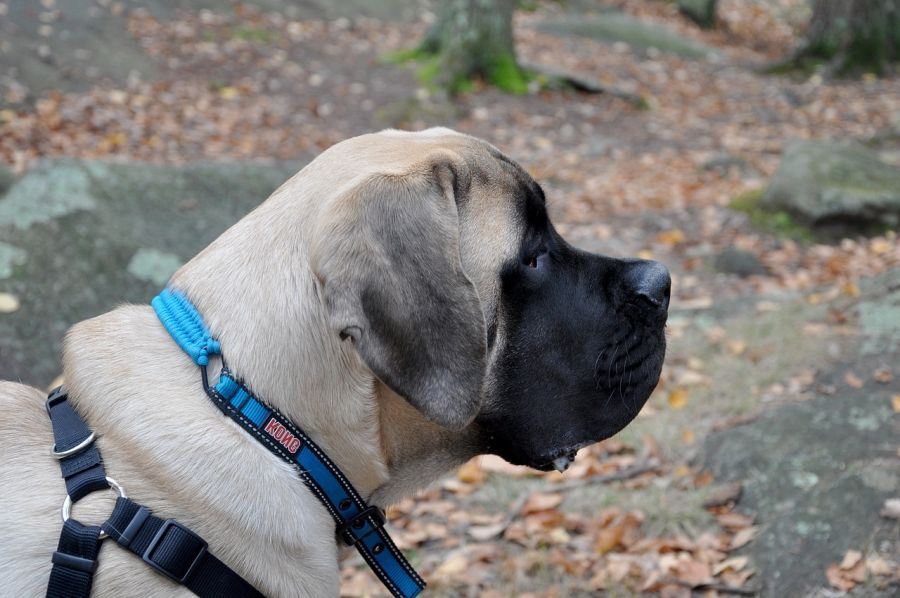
(185,325)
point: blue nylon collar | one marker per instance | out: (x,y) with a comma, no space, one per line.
(358,523)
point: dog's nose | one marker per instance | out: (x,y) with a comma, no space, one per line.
(651,285)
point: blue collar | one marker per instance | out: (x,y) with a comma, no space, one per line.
(358,524)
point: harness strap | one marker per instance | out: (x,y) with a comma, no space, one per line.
(175,551)
(79,458)
(74,561)
(357,523)
(167,546)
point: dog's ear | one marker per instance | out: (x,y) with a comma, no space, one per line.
(394,284)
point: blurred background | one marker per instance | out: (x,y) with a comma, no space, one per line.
(753,146)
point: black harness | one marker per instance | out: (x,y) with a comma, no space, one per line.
(165,545)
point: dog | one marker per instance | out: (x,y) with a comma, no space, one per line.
(406,300)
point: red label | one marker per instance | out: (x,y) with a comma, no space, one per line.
(277,431)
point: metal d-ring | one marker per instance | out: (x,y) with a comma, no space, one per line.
(67,504)
(75,449)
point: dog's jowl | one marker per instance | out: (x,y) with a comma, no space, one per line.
(405,300)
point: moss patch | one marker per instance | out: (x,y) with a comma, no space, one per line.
(778,223)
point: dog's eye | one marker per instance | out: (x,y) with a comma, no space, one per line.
(535,260)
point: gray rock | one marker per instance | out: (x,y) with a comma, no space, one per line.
(816,473)
(737,261)
(835,188)
(82,45)
(97,234)
(619,27)
(702,12)
(7,178)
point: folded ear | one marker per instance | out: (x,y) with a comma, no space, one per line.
(393,283)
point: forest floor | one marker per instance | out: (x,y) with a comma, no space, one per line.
(767,460)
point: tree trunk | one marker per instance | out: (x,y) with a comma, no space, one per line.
(854,35)
(702,12)
(471,39)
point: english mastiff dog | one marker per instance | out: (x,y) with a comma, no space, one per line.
(406,300)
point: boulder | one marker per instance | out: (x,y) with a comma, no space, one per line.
(835,188)
(739,262)
(81,237)
(614,27)
(816,473)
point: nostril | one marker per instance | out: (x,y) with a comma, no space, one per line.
(651,284)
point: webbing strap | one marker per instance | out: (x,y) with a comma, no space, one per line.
(82,469)
(358,524)
(167,546)
(175,551)
(74,561)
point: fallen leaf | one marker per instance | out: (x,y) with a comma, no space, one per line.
(228,92)
(703,479)
(454,565)
(833,574)
(735,563)
(678,398)
(743,537)
(609,536)
(670,237)
(851,559)
(695,303)
(734,521)
(891,509)
(495,464)
(895,403)
(853,380)
(880,246)
(693,572)
(883,375)
(539,501)
(688,436)
(471,472)
(724,495)
(482,533)
(736,347)
(8,303)
(879,566)
(851,289)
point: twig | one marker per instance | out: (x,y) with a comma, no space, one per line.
(582,83)
(625,474)
(718,587)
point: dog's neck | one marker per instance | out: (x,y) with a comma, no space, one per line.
(268,316)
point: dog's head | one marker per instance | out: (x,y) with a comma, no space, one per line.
(441,266)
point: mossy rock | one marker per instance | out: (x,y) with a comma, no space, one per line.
(835,188)
(619,27)
(778,222)
(81,237)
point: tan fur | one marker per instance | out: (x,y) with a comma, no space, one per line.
(260,288)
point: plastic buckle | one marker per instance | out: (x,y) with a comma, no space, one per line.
(357,522)
(57,395)
(76,563)
(167,525)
